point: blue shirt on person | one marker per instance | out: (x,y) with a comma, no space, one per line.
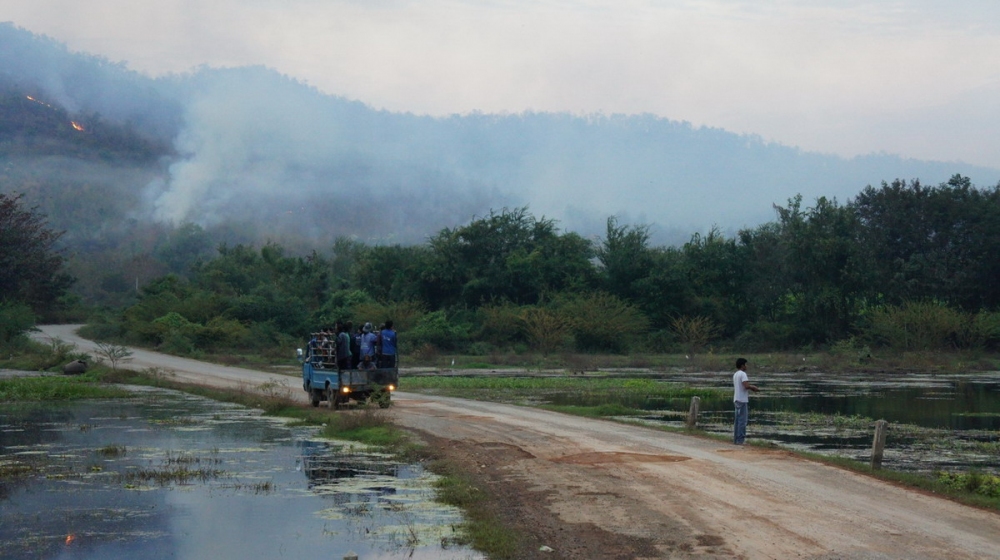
(388,342)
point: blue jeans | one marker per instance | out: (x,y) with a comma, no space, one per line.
(740,423)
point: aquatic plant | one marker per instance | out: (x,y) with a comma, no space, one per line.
(112,451)
(55,388)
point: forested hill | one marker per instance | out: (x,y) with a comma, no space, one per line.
(32,127)
(166,169)
(252,146)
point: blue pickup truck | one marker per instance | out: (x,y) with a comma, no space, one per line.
(337,387)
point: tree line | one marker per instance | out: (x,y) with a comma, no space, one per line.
(902,265)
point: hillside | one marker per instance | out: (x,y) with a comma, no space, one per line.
(250,155)
(32,127)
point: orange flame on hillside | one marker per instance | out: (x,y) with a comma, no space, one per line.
(69,539)
(77,125)
(30,98)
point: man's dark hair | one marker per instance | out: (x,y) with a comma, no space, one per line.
(388,324)
(740,362)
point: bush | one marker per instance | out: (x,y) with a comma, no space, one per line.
(767,335)
(403,314)
(500,324)
(661,342)
(220,332)
(341,305)
(983,331)
(480,348)
(694,333)
(103,331)
(435,329)
(601,322)
(919,326)
(545,330)
(16,319)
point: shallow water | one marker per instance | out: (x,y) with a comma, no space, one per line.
(936,421)
(169,475)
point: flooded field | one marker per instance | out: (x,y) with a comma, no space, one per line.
(936,422)
(169,475)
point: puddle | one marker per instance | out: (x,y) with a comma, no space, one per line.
(170,475)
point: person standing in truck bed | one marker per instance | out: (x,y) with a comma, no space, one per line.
(387,343)
(367,345)
(343,346)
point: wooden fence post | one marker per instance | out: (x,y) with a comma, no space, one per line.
(692,421)
(878,444)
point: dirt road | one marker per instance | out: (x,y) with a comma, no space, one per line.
(592,489)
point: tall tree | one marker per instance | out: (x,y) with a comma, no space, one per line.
(933,242)
(625,257)
(31,267)
(507,255)
(825,266)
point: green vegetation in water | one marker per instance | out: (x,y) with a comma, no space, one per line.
(56,388)
(178,474)
(14,469)
(513,389)
(112,451)
(599,411)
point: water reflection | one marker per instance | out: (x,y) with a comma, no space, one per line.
(936,421)
(168,475)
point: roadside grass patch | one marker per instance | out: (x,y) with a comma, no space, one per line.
(975,482)
(485,530)
(367,424)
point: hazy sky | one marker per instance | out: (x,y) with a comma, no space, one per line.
(919,78)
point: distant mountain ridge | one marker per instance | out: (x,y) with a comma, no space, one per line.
(250,146)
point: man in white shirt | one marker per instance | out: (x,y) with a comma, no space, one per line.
(741,398)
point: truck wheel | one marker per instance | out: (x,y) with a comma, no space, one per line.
(315,397)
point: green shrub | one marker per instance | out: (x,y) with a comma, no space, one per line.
(480,348)
(545,330)
(341,305)
(975,482)
(661,342)
(919,326)
(694,333)
(500,324)
(220,332)
(403,314)
(101,331)
(435,329)
(766,335)
(16,319)
(983,331)
(601,322)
